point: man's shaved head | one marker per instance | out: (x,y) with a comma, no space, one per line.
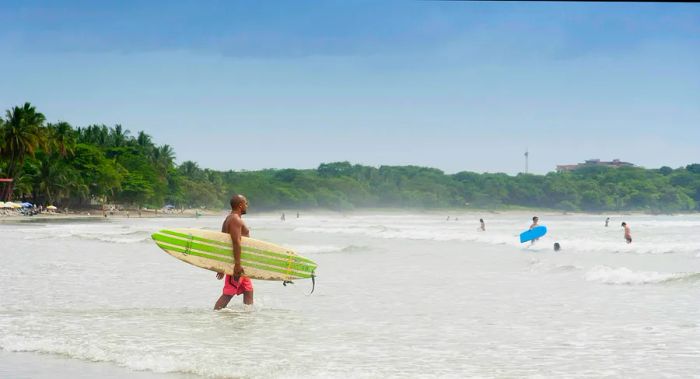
(237,200)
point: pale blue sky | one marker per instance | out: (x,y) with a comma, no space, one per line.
(452,85)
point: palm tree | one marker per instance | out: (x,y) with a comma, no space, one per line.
(62,138)
(190,169)
(2,164)
(144,140)
(21,136)
(50,177)
(119,136)
(163,157)
(94,135)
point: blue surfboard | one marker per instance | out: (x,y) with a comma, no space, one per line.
(536,232)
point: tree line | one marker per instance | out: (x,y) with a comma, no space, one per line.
(56,163)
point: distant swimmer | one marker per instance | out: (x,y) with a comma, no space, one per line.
(628,232)
(237,283)
(482,225)
(448,218)
(557,246)
(607,221)
(535,220)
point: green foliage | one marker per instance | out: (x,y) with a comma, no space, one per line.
(56,163)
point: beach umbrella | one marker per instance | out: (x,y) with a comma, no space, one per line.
(51,207)
(26,205)
(169,206)
(12,205)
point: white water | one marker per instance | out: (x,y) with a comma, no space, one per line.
(398,295)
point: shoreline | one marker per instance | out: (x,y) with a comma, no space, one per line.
(98,215)
(192,213)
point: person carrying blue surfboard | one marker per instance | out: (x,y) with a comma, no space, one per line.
(535,220)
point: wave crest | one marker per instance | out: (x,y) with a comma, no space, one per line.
(623,275)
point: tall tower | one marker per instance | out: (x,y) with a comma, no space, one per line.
(527,156)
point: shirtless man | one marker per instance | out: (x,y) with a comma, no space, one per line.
(534,224)
(236,284)
(628,232)
(482,225)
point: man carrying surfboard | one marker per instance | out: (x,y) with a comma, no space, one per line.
(534,225)
(238,283)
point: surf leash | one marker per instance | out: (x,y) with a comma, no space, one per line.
(313,284)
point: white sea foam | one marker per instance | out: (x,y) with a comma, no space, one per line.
(650,237)
(98,232)
(623,275)
(325,249)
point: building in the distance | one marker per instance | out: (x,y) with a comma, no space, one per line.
(615,163)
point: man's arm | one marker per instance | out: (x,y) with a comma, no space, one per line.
(235,228)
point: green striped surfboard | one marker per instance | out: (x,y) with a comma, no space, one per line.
(213,251)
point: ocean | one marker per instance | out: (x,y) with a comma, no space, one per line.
(398,294)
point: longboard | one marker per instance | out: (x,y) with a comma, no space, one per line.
(213,251)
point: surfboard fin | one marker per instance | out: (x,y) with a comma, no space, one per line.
(313,284)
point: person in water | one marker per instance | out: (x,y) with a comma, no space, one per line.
(557,246)
(607,220)
(628,232)
(483,225)
(535,220)
(237,283)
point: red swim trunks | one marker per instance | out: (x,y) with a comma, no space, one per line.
(233,288)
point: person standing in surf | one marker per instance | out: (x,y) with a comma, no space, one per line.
(607,220)
(482,225)
(628,232)
(237,283)
(534,225)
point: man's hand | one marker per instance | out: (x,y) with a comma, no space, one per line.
(237,270)
(219,275)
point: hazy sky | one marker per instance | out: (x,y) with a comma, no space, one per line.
(453,85)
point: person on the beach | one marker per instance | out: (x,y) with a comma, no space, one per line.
(607,221)
(534,224)
(557,246)
(237,283)
(483,225)
(283,217)
(628,232)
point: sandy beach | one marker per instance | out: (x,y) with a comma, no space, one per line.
(91,214)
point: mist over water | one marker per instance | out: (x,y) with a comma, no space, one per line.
(397,295)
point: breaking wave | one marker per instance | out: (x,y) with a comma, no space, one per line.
(623,275)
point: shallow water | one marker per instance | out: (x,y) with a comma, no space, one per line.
(398,295)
